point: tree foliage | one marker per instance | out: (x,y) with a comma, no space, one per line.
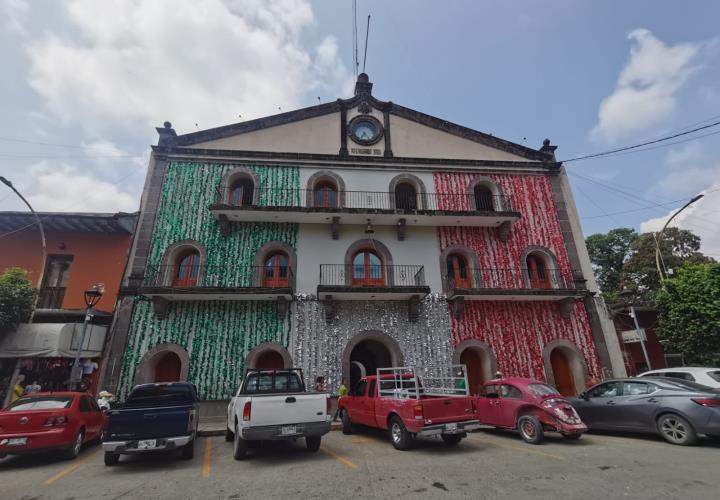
(689,319)
(608,254)
(17,298)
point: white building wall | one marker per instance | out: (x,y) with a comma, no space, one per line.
(365,179)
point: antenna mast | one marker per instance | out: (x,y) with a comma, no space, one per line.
(356,63)
(367,34)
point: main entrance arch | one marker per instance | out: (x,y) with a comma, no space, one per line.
(163,363)
(167,368)
(368,351)
(564,380)
(479,360)
(565,367)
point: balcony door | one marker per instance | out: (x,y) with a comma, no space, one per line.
(483,198)
(57,271)
(241,192)
(405,196)
(538,272)
(458,275)
(187,269)
(325,195)
(276,273)
(368,269)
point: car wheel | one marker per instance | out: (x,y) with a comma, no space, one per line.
(572,436)
(347,425)
(313,442)
(229,435)
(72,452)
(111,459)
(451,439)
(399,436)
(240,446)
(531,429)
(188,451)
(676,430)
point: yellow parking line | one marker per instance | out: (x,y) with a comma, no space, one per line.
(71,468)
(339,458)
(361,440)
(523,449)
(206,461)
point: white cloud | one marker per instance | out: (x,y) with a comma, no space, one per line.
(646,91)
(66,189)
(139,63)
(16,15)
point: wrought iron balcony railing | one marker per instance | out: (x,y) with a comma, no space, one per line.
(194,277)
(371,276)
(227,196)
(51,297)
(510,279)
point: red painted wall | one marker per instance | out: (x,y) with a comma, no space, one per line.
(97,258)
(517,330)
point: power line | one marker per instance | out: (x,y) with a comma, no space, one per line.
(51,144)
(58,157)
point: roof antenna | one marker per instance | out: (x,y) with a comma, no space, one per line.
(356,63)
(367,33)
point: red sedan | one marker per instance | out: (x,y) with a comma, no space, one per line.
(530,406)
(48,421)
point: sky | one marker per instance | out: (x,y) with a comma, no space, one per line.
(84,83)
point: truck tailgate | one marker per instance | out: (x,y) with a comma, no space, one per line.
(450,409)
(278,409)
(148,422)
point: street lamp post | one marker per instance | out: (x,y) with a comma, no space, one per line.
(92,297)
(626,294)
(659,235)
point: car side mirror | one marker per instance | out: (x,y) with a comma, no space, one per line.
(584,395)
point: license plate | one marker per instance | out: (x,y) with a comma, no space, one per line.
(450,427)
(146,444)
(17,441)
(288,429)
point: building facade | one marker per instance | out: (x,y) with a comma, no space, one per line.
(354,235)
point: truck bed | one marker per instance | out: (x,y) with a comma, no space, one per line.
(143,422)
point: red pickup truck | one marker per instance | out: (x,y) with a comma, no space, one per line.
(403,406)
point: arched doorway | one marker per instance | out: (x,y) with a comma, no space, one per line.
(325,194)
(270,360)
(538,272)
(562,373)
(370,355)
(475,370)
(405,196)
(167,368)
(241,192)
(483,198)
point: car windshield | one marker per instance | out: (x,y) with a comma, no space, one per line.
(542,390)
(715,375)
(160,394)
(688,385)
(41,403)
(273,381)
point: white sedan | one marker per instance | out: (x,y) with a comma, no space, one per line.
(702,375)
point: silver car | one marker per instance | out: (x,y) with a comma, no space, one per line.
(678,410)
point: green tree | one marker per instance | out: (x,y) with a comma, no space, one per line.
(17,298)
(608,254)
(689,313)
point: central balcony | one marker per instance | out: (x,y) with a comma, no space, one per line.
(357,207)
(374,282)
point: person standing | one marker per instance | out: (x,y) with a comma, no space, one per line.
(342,391)
(320,384)
(34,387)
(18,389)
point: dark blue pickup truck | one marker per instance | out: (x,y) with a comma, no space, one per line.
(155,417)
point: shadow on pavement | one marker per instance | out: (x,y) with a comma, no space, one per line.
(702,441)
(550,437)
(12,462)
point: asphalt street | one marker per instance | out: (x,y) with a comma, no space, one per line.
(488,464)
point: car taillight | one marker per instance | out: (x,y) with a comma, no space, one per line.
(191,420)
(707,402)
(246,412)
(328,406)
(56,421)
(418,412)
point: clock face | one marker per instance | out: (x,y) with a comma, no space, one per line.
(365,131)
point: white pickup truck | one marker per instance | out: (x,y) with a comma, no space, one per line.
(273,405)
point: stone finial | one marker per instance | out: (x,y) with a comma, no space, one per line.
(166,134)
(363,86)
(548,149)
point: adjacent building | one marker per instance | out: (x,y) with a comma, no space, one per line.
(353,235)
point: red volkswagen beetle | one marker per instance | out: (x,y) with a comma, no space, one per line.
(530,406)
(47,421)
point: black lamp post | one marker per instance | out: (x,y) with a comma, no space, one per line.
(627,298)
(92,297)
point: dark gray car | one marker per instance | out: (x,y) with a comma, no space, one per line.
(678,410)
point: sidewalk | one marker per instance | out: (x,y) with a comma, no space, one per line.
(215,426)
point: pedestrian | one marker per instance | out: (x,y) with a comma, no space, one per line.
(460,381)
(498,374)
(34,387)
(18,389)
(342,391)
(104,400)
(320,384)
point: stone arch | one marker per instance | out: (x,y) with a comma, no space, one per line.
(378,247)
(325,175)
(266,250)
(550,261)
(169,260)
(472,261)
(577,363)
(235,174)
(145,373)
(494,187)
(255,354)
(375,335)
(415,182)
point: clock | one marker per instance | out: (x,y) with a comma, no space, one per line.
(365,130)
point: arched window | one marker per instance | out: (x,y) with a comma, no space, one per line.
(458,272)
(405,196)
(483,198)
(242,191)
(368,269)
(276,273)
(187,269)
(538,272)
(325,194)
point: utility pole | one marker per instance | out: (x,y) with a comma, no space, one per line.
(640,333)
